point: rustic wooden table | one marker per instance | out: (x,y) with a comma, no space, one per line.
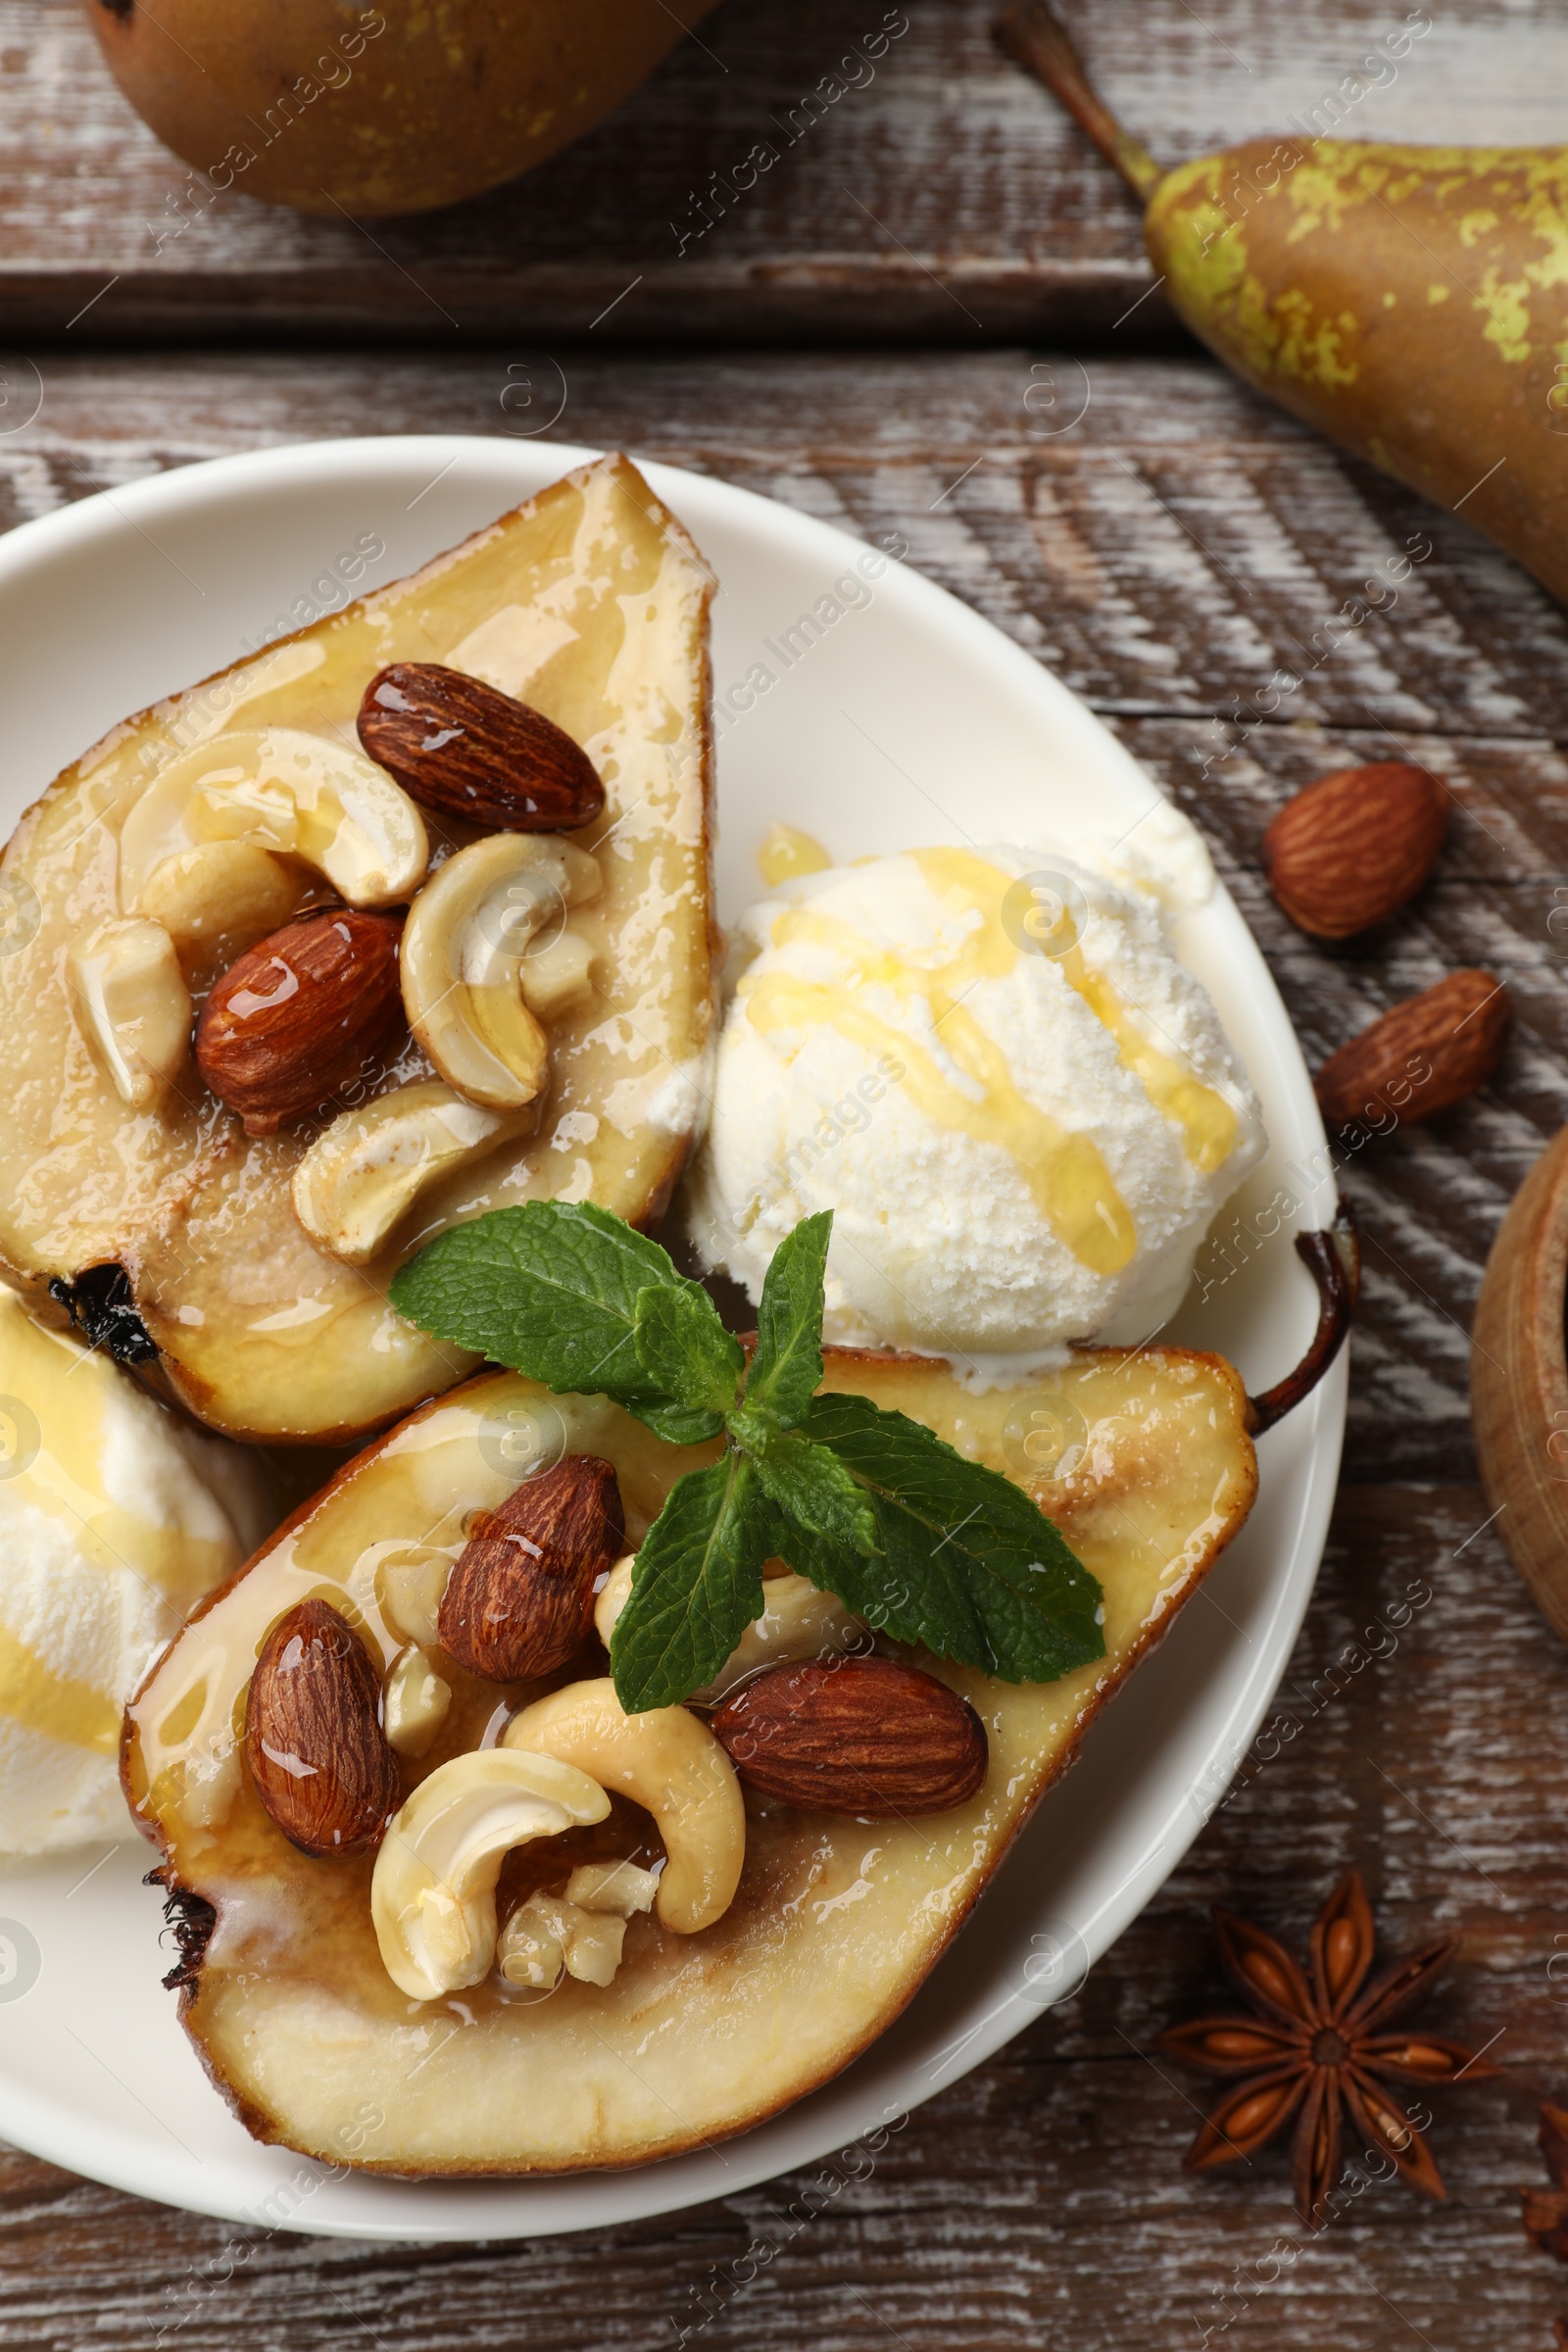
(1166,544)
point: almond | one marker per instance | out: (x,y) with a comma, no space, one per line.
(1421,1057)
(862,1736)
(1349,851)
(519,1601)
(300,1013)
(313,1735)
(469,751)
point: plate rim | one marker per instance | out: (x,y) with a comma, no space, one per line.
(544,2203)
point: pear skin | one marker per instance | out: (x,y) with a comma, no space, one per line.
(835,1924)
(368,111)
(181,1227)
(1410,301)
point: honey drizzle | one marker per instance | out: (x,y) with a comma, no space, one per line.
(1065,1171)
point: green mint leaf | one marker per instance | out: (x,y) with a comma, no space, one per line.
(697,1586)
(676,1424)
(686,1352)
(806,1482)
(968,1563)
(919,1541)
(787,1367)
(550,1289)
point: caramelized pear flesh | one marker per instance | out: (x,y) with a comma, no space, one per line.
(591,604)
(1142,1460)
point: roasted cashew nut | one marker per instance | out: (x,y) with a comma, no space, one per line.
(408,1580)
(549,1933)
(414,1702)
(284,792)
(226,893)
(669,1764)
(531,1949)
(621,1889)
(797,1621)
(433,1891)
(359,1179)
(559,977)
(132,1003)
(613,1594)
(463,949)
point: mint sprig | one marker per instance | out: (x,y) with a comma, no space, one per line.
(554,1289)
(963,1560)
(697,1586)
(923,1543)
(787,1366)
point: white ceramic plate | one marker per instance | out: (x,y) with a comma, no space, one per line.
(911,721)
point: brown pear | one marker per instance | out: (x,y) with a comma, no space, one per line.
(162,1225)
(832,1927)
(1410,301)
(366,110)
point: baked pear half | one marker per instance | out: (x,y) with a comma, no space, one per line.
(590,1939)
(401,918)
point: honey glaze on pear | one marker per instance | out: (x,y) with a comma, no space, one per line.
(258,1330)
(833,1925)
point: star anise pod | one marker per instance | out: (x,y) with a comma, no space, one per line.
(1322,2050)
(1547,2209)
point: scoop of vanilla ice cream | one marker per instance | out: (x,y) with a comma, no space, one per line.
(114,1519)
(991,1066)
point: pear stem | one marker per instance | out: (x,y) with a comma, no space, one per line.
(1332,1258)
(1031,34)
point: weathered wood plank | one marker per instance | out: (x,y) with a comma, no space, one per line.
(946,198)
(1421,1734)
(1174,555)
(1163,539)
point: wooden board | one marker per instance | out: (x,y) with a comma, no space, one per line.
(941,196)
(1167,553)
(1041,2202)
